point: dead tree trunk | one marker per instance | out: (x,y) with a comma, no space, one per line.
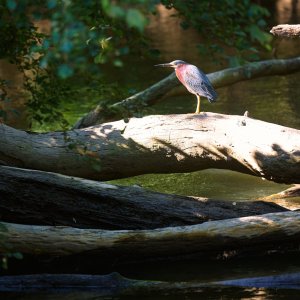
(160,144)
(41,198)
(126,107)
(261,231)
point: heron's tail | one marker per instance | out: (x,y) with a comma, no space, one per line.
(211,94)
(212,97)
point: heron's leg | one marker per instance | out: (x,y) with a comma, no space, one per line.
(198,105)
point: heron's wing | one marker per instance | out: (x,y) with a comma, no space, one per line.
(198,83)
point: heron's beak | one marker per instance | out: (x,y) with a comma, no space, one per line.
(164,65)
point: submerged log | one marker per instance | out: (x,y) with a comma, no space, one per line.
(116,285)
(261,231)
(41,198)
(160,144)
(150,96)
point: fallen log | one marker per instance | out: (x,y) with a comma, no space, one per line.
(127,107)
(291,192)
(160,144)
(286,30)
(267,230)
(41,198)
(116,285)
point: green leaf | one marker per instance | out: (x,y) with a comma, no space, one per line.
(136,19)
(51,4)
(65,71)
(17,255)
(99,59)
(11,4)
(259,35)
(118,63)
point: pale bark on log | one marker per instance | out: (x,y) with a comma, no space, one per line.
(286,30)
(289,198)
(160,144)
(150,96)
(232,234)
(114,284)
(41,198)
(291,192)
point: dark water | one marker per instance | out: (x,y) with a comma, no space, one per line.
(273,99)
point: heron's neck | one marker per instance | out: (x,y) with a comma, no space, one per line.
(180,72)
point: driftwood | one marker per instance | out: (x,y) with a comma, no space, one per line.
(116,285)
(160,144)
(286,30)
(165,87)
(289,198)
(41,198)
(258,232)
(291,192)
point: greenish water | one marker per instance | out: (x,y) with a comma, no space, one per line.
(221,184)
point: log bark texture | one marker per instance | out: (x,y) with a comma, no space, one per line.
(150,96)
(286,30)
(41,198)
(160,144)
(231,234)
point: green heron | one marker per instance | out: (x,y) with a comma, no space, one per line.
(194,80)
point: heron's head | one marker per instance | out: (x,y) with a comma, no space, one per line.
(173,64)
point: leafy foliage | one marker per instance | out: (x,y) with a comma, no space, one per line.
(83,34)
(237,25)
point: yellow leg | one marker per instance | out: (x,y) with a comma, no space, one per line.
(198,105)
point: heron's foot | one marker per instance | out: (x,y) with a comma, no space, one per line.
(197,111)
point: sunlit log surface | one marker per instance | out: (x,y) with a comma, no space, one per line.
(42,198)
(269,230)
(161,89)
(286,30)
(116,285)
(160,144)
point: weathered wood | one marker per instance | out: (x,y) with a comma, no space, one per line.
(165,88)
(160,144)
(286,30)
(291,192)
(41,198)
(289,198)
(232,234)
(116,285)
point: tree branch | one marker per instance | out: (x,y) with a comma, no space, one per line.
(286,30)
